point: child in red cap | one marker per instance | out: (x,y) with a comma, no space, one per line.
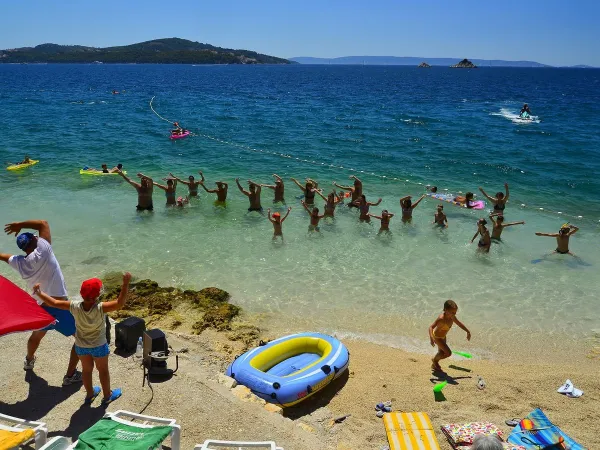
(90,334)
(277,220)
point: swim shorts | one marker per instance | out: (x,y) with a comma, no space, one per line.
(562,253)
(145,208)
(255,209)
(65,322)
(97,352)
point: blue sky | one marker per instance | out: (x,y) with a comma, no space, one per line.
(552,32)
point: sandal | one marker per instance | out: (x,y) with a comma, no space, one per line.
(513,422)
(114,394)
(90,400)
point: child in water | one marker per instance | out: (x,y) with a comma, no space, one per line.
(385,220)
(277,220)
(314,217)
(439,218)
(439,329)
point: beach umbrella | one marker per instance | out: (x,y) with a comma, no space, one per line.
(20,312)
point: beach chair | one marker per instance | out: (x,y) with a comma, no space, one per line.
(118,430)
(17,428)
(410,431)
(211,444)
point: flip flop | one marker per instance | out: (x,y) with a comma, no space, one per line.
(90,400)
(566,388)
(513,422)
(114,394)
(575,394)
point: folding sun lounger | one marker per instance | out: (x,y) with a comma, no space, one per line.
(22,431)
(114,431)
(210,444)
(410,431)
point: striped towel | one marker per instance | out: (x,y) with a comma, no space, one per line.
(537,432)
(410,431)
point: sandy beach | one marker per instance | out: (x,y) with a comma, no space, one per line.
(207,409)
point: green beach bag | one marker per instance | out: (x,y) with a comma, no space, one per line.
(108,434)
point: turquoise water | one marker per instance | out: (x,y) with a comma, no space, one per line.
(397,128)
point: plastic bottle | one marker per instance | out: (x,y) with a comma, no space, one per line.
(139,350)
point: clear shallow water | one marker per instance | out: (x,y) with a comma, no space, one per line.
(451,128)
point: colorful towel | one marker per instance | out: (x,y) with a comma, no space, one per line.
(463,434)
(410,431)
(536,432)
(113,435)
(509,446)
(13,439)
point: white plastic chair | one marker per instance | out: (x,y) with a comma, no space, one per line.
(211,444)
(62,443)
(18,425)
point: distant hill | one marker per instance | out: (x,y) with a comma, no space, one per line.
(157,51)
(412,61)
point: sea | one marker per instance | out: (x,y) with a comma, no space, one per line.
(396,128)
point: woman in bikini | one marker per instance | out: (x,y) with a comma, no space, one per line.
(170,191)
(309,191)
(363,206)
(331,202)
(407,207)
(484,241)
(192,184)
(499,201)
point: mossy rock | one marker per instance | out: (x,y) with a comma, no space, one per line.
(218,317)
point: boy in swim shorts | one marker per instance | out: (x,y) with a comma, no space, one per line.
(562,238)
(439,218)
(439,329)
(314,217)
(277,220)
(90,335)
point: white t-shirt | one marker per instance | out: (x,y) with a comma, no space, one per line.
(91,326)
(41,266)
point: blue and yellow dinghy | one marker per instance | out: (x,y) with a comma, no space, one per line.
(292,368)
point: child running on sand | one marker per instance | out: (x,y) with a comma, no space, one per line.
(314,217)
(439,329)
(277,220)
(90,334)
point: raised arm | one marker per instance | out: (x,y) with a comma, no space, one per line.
(510,224)
(270,186)
(129,180)
(211,191)
(201,176)
(277,177)
(417,202)
(286,214)
(269,215)
(41,226)
(574,230)
(164,188)
(375,204)
(320,195)
(376,217)
(246,193)
(491,199)
(50,301)
(178,179)
(345,188)
(507,194)
(355,178)
(297,184)
(117,304)
(547,234)
(305,206)
(404,198)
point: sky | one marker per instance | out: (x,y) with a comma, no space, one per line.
(551,31)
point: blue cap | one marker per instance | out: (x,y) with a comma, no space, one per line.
(24,239)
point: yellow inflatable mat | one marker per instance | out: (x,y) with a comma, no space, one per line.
(410,431)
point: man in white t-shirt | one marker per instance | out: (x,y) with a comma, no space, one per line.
(39,265)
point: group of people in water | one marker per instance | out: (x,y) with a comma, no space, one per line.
(351,195)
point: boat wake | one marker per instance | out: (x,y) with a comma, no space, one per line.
(514,117)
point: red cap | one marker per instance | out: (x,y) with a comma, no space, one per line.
(276,214)
(90,289)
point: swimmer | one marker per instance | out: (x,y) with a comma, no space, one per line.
(278,187)
(221,190)
(144,189)
(525,109)
(363,206)
(331,201)
(439,218)
(407,207)
(182,201)
(117,168)
(499,200)
(432,189)
(356,190)
(467,200)
(253,195)
(439,329)
(484,241)
(308,190)
(499,225)
(192,184)
(277,220)
(170,190)
(314,217)
(385,220)
(562,238)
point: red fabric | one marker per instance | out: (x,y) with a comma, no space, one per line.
(20,312)
(90,289)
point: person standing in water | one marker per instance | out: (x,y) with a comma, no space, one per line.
(314,217)
(363,206)
(253,195)
(308,190)
(499,201)
(331,202)
(192,184)
(356,190)
(278,187)
(499,225)
(440,218)
(385,220)
(277,221)
(170,191)
(484,241)
(407,207)
(562,238)
(221,191)
(144,189)
(439,329)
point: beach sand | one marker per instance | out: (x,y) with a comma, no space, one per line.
(207,409)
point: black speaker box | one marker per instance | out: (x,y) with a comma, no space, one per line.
(128,332)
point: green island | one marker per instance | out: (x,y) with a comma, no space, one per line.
(157,51)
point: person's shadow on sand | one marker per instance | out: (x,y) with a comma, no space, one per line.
(81,420)
(41,398)
(440,376)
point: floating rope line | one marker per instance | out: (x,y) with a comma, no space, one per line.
(159,116)
(384,177)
